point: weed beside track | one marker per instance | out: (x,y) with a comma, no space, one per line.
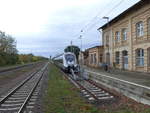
(62,97)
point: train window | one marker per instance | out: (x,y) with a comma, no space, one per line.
(70,57)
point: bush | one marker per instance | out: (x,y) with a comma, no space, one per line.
(8,59)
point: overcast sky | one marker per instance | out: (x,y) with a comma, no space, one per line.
(46,27)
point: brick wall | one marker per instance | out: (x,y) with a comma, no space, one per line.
(132,43)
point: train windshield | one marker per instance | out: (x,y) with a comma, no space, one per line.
(70,57)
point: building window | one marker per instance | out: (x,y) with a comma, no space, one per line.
(124,34)
(139,29)
(149,26)
(95,58)
(117,57)
(140,57)
(91,59)
(101,58)
(107,40)
(117,34)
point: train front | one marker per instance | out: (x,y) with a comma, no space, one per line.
(70,61)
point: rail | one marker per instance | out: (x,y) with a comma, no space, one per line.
(32,81)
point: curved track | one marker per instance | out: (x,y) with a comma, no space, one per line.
(19,97)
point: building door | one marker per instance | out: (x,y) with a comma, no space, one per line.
(125,59)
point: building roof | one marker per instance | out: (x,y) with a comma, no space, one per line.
(133,8)
(94,47)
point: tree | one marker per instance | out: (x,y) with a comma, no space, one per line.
(74,49)
(8,51)
(9,54)
(7,44)
(27,58)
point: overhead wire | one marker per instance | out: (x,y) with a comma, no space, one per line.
(95,17)
(110,11)
(114,7)
(98,16)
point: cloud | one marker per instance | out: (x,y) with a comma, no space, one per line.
(46,27)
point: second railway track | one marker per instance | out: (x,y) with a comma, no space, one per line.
(23,94)
(93,92)
(14,68)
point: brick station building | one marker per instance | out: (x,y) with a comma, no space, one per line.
(95,56)
(126,39)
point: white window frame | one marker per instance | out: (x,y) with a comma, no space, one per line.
(140,57)
(124,34)
(140,29)
(117,57)
(107,40)
(117,35)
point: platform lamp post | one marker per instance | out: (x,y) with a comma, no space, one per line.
(81,68)
(71,46)
(80,37)
(107,18)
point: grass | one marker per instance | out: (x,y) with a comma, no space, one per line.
(63,97)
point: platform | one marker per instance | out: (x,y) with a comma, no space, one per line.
(131,84)
(135,77)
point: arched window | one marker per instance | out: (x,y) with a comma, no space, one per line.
(124,34)
(139,29)
(125,59)
(148,26)
(140,57)
(117,57)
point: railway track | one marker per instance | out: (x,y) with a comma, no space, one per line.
(93,92)
(22,98)
(14,68)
